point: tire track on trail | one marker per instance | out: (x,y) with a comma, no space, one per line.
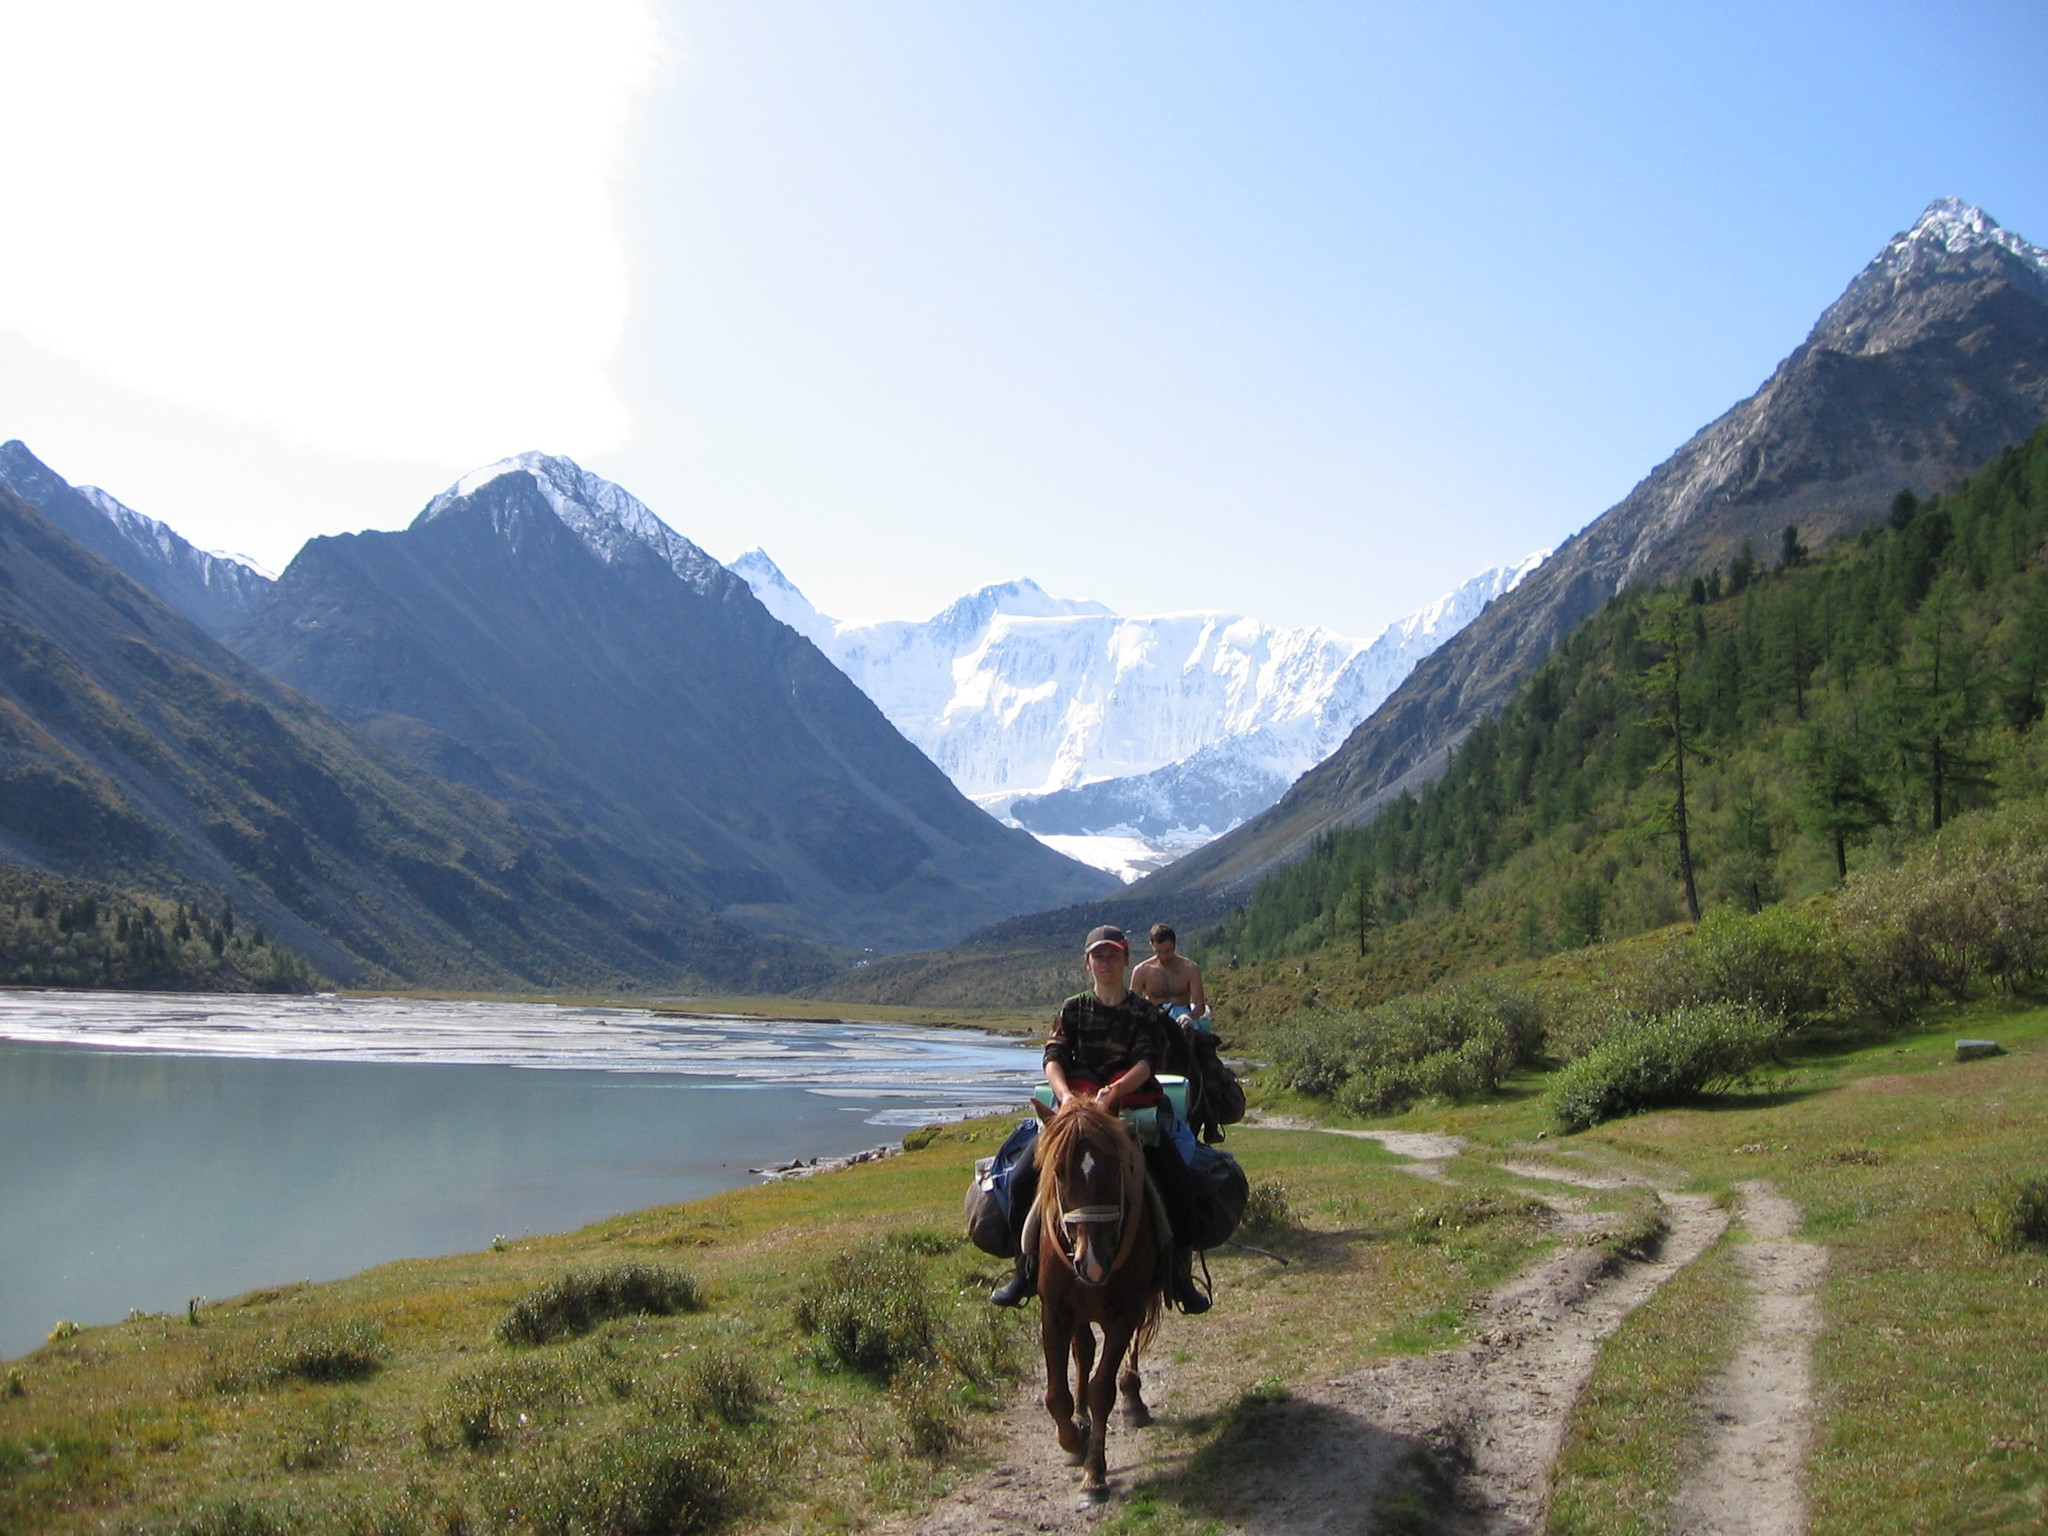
(1759,1411)
(1469,1433)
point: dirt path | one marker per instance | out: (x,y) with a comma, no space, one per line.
(1759,1413)
(1491,1415)
(1469,1434)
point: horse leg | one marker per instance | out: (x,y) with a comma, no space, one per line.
(1059,1397)
(1084,1367)
(1101,1388)
(1131,1388)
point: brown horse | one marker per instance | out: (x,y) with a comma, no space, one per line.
(1101,1261)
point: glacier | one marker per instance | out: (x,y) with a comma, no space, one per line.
(1123,740)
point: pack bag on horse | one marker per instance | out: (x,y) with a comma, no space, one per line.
(1103,1261)
(1106,1047)
(1174,982)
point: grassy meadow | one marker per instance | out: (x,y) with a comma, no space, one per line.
(815,1355)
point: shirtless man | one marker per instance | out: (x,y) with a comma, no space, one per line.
(1169,978)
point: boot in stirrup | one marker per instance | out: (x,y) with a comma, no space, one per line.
(1019,1288)
(1188,1296)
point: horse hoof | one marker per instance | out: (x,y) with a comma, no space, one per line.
(1093,1493)
(1139,1417)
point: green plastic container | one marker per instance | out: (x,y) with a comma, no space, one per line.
(1174,1086)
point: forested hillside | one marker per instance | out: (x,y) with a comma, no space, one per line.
(71,933)
(1749,735)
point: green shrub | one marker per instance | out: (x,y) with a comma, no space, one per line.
(871,1311)
(2014,1214)
(988,1350)
(723,1386)
(929,1410)
(1969,905)
(1663,1059)
(1778,960)
(578,1301)
(1453,1042)
(641,1481)
(315,1352)
(482,1406)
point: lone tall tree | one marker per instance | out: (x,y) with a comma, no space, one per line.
(1667,631)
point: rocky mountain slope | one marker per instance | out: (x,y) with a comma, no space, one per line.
(1932,361)
(1074,720)
(542,636)
(215,591)
(137,750)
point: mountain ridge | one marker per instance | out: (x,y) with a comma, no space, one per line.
(624,694)
(213,590)
(1934,358)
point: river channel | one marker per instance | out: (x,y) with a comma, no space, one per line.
(156,1147)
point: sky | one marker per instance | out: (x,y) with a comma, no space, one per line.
(1306,311)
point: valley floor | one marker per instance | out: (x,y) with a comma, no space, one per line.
(1771,1313)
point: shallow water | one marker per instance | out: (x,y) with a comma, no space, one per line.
(154,1148)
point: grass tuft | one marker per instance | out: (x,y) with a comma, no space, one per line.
(1267,1209)
(578,1301)
(871,1311)
(640,1481)
(2013,1216)
(312,1352)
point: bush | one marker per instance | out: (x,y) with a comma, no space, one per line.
(315,1352)
(725,1387)
(642,1481)
(581,1299)
(1971,904)
(1778,960)
(871,1311)
(1663,1059)
(2014,1215)
(484,1405)
(929,1410)
(1452,1042)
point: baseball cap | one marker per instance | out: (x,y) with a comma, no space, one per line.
(1107,934)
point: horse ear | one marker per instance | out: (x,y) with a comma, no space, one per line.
(1044,1114)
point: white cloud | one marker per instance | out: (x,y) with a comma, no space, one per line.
(385,227)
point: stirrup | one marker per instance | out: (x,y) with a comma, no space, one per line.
(1188,1296)
(1018,1289)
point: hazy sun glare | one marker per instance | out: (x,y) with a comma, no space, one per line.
(386,228)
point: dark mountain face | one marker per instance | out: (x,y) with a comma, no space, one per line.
(135,749)
(538,634)
(214,592)
(1932,362)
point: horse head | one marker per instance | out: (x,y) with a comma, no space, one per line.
(1094,1183)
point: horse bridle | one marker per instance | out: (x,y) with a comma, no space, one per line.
(1096,1216)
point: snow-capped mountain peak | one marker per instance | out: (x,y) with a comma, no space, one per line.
(610,520)
(1953,227)
(780,596)
(1017,693)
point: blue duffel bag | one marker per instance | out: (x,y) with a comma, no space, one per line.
(988,1195)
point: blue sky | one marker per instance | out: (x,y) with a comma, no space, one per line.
(1307,311)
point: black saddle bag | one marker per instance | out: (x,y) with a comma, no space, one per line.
(1220,1192)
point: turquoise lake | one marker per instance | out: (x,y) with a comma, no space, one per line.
(155,1148)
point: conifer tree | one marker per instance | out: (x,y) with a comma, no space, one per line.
(1838,798)
(1663,684)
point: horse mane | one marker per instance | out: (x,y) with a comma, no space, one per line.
(1082,1121)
